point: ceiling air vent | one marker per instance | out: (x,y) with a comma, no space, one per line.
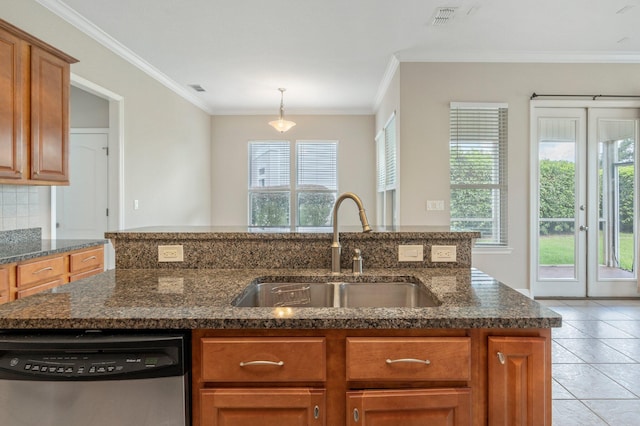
(443,16)
(197,87)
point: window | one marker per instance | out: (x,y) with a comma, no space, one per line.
(386,166)
(478,171)
(274,202)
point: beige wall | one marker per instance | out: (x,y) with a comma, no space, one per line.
(231,134)
(167,139)
(426,91)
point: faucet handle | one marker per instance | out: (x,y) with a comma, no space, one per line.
(357,262)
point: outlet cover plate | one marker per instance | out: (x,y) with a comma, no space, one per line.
(443,253)
(172,253)
(410,253)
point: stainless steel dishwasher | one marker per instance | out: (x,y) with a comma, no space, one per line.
(94,378)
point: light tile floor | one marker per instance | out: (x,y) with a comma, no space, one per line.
(596,362)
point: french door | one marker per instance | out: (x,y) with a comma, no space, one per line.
(584,201)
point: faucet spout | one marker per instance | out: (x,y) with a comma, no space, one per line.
(335,245)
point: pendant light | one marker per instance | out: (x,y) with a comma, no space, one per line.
(281,124)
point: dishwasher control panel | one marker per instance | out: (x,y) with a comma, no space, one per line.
(82,364)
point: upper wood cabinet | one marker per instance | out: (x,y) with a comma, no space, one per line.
(34,110)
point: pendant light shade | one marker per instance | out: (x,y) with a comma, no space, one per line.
(281,124)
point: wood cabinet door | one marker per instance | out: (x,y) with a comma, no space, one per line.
(414,407)
(4,284)
(518,392)
(50,79)
(11,106)
(262,407)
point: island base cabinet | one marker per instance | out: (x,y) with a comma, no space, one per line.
(415,407)
(263,407)
(518,392)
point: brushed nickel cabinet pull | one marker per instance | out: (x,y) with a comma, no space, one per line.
(88,259)
(356,415)
(501,358)
(248,363)
(411,360)
(316,412)
(48,268)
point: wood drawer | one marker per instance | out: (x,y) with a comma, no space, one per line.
(269,359)
(86,260)
(38,288)
(396,359)
(40,270)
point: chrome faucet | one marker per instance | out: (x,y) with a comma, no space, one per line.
(335,245)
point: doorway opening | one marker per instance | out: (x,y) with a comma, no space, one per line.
(92,204)
(584,198)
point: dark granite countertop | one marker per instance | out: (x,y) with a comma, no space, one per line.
(23,250)
(201,298)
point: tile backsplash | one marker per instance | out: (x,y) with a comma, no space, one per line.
(19,207)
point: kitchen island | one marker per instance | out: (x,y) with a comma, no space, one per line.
(481,356)
(481,341)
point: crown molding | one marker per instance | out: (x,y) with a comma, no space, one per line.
(523,57)
(88,28)
(392,67)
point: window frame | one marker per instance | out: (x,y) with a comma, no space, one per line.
(499,236)
(294,189)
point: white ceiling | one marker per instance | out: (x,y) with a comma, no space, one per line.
(335,56)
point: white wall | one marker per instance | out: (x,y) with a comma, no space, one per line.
(167,139)
(87,110)
(426,91)
(230,137)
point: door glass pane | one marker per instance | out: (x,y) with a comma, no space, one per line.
(557,199)
(617,199)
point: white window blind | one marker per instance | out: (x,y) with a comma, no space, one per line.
(317,165)
(478,170)
(269,165)
(390,153)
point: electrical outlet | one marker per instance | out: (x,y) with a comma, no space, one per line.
(410,253)
(443,253)
(437,205)
(170,253)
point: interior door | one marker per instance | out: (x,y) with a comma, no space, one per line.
(81,207)
(584,202)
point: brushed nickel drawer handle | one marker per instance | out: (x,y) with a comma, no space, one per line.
(413,360)
(89,258)
(501,358)
(248,363)
(48,268)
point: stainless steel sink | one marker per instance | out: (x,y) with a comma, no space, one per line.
(388,294)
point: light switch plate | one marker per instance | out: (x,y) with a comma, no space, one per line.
(172,253)
(443,253)
(410,253)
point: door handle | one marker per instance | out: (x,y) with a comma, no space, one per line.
(584,228)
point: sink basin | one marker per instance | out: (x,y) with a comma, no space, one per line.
(389,294)
(385,295)
(276,294)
